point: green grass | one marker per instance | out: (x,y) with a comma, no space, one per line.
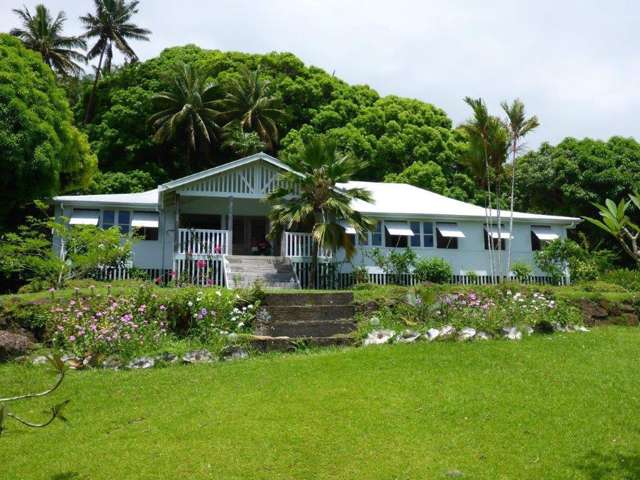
(558,407)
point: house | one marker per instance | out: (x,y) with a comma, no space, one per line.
(197,225)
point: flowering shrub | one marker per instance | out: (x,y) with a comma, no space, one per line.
(103,325)
(207,313)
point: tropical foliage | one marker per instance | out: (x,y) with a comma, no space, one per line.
(42,152)
(110,25)
(309,197)
(43,34)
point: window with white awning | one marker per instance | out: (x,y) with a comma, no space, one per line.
(447,235)
(84,217)
(146,224)
(544,233)
(348,228)
(540,235)
(399,228)
(144,220)
(498,238)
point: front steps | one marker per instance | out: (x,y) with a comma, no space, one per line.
(243,271)
(309,318)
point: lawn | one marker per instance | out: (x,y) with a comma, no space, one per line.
(558,407)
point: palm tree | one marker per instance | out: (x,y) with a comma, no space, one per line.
(250,103)
(111,24)
(518,127)
(186,111)
(240,142)
(43,34)
(488,146)
(309,198)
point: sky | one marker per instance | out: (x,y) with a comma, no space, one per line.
(575,64)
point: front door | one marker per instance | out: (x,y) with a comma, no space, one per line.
(249,236)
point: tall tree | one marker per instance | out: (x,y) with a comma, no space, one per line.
(43,34)
(318,204)
(240,142)
(186,111)
(111,25)
(488,146)
(518,126)
(251,103)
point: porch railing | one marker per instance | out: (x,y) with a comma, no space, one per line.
(200,242)
(299,245)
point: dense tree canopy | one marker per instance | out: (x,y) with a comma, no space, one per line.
(42,152)
(565,179)
(389,133)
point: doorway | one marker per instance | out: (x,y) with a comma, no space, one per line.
(250,236)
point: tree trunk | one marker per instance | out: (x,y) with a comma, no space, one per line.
(512,200)
(90,105)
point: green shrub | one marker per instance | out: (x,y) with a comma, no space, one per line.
(521,270)
(433,269)
(626,278)
(562,254)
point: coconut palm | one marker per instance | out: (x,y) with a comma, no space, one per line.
(111,25)
(488,146)
(43,34)
(250,103)
(518,126)
(309,198)
(186,111)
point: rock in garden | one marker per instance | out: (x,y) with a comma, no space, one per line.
(581,328)
(72,361)
(482,336)
(544,326)
(374,321)
(558,327)
(13,345)
(234,352)
(167,357)
(467,333)
(512,333)
(112,362)
(142,363)
(529,330)
(197,356)
(379,337)
(447,331)
(432,334)
(408,336)
(39,360)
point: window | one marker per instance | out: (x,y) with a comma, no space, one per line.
(84,217)
(124,220)
(447,235)
(540,236)
(415,228)
(427,234)
(496,243)
(376,235)
(395,241)
(145,225)
(108,218)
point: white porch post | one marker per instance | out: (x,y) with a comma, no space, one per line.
(176,235)
(230,227)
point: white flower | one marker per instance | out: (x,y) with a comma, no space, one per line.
(190,303)
(218,293)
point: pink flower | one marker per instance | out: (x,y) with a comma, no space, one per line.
(209,281)
(72,338)
(172,274)
(201,264)
(158,280)
(217,249)
(163,308)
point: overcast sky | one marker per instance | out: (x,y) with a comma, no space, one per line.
(575,64)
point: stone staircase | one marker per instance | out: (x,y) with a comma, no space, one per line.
(314,318)
(243,271)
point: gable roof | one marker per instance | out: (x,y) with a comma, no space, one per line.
(404,200)
(172,185)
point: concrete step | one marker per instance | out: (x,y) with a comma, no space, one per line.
(272,272)
(306,313)
(266,343)
(301,299)
(309,328)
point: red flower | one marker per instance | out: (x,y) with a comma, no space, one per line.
(158,280)
(172,273)
(201,264)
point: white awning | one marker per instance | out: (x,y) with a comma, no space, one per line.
(450,230)
(144,220)
(399,228)
(544,233)
(84,217)
(495,234)
(348,229)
